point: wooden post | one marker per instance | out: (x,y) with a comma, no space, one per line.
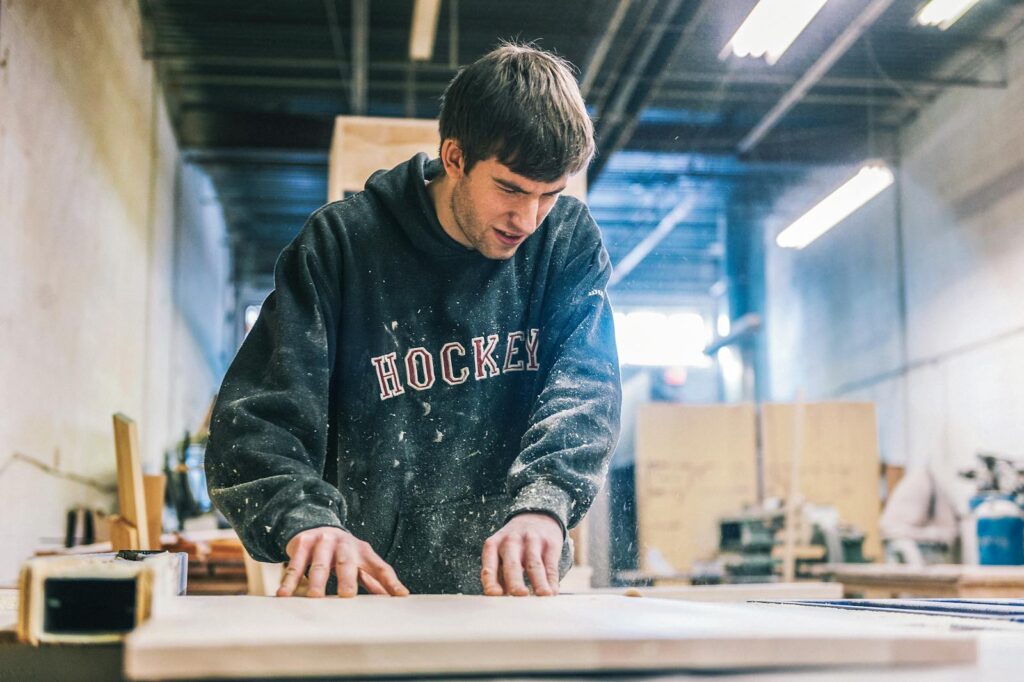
(131,495)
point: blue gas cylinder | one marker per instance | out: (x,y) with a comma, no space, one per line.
(1000,523)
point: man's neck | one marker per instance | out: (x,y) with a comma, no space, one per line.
(440,191)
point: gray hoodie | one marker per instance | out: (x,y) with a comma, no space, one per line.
(415,393)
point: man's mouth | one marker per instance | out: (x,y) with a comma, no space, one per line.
(508,238)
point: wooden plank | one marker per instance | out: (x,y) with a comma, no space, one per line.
(154,487)
(694,465)
(131,495)
(447,635)
(839,460)
(940,580)
(732,593)
(363,145)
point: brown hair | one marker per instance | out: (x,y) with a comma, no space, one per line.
(522,106)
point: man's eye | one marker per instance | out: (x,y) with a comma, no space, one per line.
(506,190)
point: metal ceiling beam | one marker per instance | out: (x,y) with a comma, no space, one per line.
(185,58)
(786,80)
(620,58)
(360,54)
(641,250)
(622,126)
(841,100)
(297,83)
(624,93)
(596,59)
(843,43)
(337,43)
(453,34)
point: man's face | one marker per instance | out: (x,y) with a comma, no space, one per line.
(496,209)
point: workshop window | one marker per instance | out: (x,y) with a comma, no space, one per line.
(659,339)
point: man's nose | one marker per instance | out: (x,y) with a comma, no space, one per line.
(526,216)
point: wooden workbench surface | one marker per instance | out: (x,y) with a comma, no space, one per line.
(447,635)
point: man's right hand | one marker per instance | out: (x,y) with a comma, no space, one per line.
(353,560)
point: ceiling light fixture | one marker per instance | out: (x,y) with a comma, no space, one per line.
(870,180)
(943,13)
(771,27)
(424,30)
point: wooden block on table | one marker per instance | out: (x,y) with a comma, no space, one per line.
(694,465)
(448,635)
(123,535)
(91,599)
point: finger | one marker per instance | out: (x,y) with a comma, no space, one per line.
(293,573)
(512,568)
(535,567)
(384,573)
(346,566)
(320,567)
(489,576)
(371,583)
(552,557)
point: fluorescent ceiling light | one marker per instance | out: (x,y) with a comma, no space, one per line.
(943,13)
(424,30)
(871,179)
(771,27)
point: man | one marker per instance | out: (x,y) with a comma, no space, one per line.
(430,395)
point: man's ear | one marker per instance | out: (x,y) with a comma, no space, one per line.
(452,158)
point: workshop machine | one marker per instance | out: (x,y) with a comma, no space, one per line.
(751,543)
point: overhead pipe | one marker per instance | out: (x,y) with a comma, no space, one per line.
(641,250)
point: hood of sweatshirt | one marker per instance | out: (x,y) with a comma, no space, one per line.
(402,191)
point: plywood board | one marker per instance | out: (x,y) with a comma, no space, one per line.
(363,145)
(447,635)
(694,464)
(839,462)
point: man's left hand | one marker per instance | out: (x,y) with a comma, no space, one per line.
(530,543)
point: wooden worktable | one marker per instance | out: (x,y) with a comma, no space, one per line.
(998,651)
(885,581)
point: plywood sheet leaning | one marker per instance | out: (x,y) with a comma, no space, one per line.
(448,635)
(694,464)
(363,145)
(839,460)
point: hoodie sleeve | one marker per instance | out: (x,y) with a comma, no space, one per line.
(268,436)
(574,423)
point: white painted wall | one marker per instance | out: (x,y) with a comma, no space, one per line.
(89,324)
(833,314)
